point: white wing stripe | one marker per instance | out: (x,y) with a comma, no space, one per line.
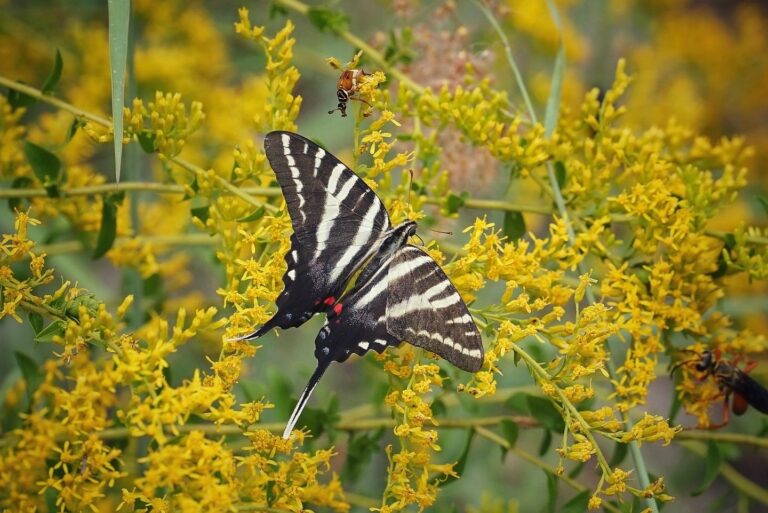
(447,301)
(286,144)
(394,274)
(344,192)
(318,159)
(361,237)
(421,302)
(380,285)
(464,319)
(333,181)
(330,212)
(436,289)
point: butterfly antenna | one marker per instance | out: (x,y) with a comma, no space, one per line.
(313,380)
(440,231)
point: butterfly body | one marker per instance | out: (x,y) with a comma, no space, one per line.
(341,229)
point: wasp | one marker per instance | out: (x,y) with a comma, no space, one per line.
(347,88)
(739,390)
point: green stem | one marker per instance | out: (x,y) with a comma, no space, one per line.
(76,246)
(634,447)
(510,59)
(567,404)
(730,474)
(343,425)
(734,438)
(50,100)
(523,455)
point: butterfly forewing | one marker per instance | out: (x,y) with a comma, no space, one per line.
(338,223)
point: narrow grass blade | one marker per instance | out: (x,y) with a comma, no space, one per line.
(553,101)
(119,20)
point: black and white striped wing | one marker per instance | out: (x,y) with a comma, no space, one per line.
(424,308)
(408,299)
(338,223)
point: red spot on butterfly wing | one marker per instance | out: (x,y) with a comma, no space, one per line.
(329,300)
(338,308)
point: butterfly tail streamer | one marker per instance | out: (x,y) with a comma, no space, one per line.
(252,335)
(313,380)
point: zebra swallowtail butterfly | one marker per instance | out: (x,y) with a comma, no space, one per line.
(341,227)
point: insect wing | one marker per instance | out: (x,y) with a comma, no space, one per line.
(750,390)
(338,223)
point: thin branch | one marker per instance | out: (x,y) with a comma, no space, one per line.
(76,246)
(523,455)
(730,474)
(734,438)
(343,425)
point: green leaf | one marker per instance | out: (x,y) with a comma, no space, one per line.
(108,228)
(619,453)
(20,182)
(546,441)
(46,166)
(119,22)
(36,321)
(320,421)
(201,212)
(574,473)
(514,225)
(252,217)
(360,449)
(53,78)
(56,328)
(438,408)
(518,403)
(453,203)
(553,101)
(276,9)
(764,202)
(578,504)
(77,123)
(510,431)
(253,390)
(711,468)
(271,493)
(551,493)
(51,497)
(17,99)
(31,373)
(328,19)
(542,410)
(461,463)
(560,174)
(147,141)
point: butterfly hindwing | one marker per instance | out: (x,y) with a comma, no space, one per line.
(408,298)
(338,223)
(424,308)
